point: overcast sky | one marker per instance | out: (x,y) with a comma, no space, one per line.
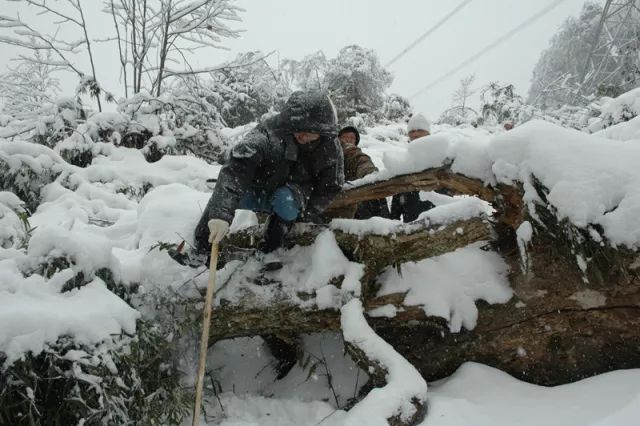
(296,28)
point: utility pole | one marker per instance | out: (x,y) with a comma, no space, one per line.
(616,45)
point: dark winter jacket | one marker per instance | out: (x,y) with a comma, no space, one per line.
(409,206)
(269,157)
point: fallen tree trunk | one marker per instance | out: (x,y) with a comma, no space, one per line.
(507,200)
(377,252)
(566,321)
(557,329)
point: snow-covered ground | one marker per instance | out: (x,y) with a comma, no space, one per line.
(474,395)
(100,217)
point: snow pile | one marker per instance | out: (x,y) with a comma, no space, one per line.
(618,110)
(169,213)
(452,210)
(625,131)
(404,383)
(307,270)
(128,167)
(448,286)
(464,149)
(476,395)
(33,311)
(11,227)
(460,208)
(483,396)
(591,180)
(245,367)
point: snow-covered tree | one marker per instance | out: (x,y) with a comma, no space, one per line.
(396,108)
(59,50)
(306,74)
(357,82)
(152,35)
(29,85)
(500,103)
(460,112)
(245,90)
(556,76)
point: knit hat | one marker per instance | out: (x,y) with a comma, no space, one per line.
(310,112)
(419,122)
(350,129)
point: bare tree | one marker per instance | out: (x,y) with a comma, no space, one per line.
(152,34)
(464,92)
(27,36)
(460,112)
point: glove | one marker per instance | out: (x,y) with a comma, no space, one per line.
(217,230)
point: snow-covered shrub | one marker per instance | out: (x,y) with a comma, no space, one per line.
(360,121)
(177,123)
(48,124)
(500,103)
(125,380)
(245,90)
(396,108)
(14,225)
(356,82)
(25,168)
(617,110)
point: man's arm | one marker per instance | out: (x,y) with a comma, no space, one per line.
(328,182)
(364,165)
(234,179)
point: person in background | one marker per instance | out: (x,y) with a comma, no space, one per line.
(408,205)
(357,165)
(508,125)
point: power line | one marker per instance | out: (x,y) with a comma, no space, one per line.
(489,47)
(429,31)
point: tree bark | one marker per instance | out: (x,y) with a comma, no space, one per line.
(564,323)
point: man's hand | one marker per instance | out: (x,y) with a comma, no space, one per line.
(217,230)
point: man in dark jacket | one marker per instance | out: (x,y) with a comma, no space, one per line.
(290,166)
(357,165)
(408,206)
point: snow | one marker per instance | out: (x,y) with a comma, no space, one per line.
(591,179)
(11,228)
(463,208)
(447,286)
(476,395)
(308,270)
(625,131)
(599,185)
(113,213)
(453,210)
(483,396)
(34,313)
(169,213)
(258,410)
(244,367)
(620,109)
(404,383)
(524,235)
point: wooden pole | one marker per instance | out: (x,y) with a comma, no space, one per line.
(204,340)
